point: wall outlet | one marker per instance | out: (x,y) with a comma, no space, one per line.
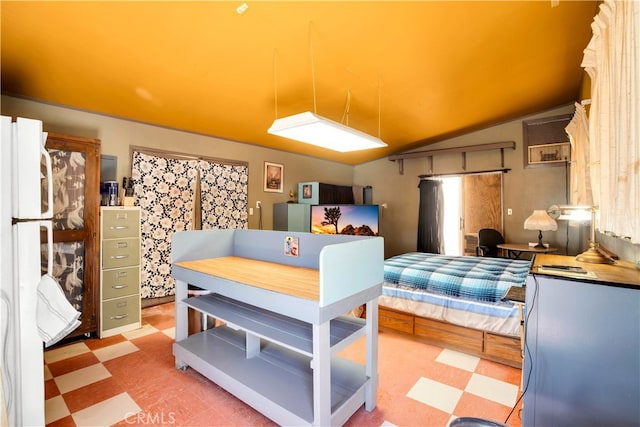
(250,211)
(258,204)
(509,211)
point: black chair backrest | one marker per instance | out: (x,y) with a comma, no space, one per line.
(488,239)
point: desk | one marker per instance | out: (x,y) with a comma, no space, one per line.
(515,250)
(583,337)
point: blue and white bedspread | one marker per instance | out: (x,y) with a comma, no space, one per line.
(475,278)
(462,290)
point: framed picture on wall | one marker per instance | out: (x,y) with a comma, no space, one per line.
(273,177)
(307,191)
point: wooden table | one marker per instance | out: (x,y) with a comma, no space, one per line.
(515,250)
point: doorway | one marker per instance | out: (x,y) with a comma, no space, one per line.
(471,202)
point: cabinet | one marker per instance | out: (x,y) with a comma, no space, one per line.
(75,163)
(283,320)
(120,270)
(582,364)
(292,217)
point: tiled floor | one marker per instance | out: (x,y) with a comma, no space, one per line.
(130,379)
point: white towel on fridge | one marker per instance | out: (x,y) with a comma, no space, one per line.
(55,316)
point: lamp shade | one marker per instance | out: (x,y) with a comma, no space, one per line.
(316,130)
(541,221)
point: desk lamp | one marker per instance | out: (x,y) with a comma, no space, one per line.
(593,255)
(541,221)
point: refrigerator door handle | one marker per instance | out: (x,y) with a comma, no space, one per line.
(49,226)
(49,177)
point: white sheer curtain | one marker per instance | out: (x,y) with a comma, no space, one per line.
(580,184)
(611,59)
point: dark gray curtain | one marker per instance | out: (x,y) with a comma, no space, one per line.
(431,215)
(338,194)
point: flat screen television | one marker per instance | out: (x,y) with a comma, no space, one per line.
(360,220)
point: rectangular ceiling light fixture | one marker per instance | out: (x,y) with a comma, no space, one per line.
(313,129)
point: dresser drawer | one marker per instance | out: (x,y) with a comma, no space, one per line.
(120,282)
(120,312)
(118,223)
(120,253)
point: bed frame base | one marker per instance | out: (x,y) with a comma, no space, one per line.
(487,345)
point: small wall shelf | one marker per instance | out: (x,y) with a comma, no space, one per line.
(463,150)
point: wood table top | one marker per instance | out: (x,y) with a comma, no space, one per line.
(524,247)
(299,282)
(621,272)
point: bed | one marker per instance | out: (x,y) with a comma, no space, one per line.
(455,302)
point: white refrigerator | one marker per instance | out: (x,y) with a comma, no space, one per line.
(21,221)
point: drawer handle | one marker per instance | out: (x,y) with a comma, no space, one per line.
(120,227)
(119,317)
(120,256)
(119,286)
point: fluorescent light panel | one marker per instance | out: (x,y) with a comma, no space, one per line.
(312,129)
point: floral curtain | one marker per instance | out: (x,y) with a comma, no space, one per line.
(611,59)
(164,188)
(223,191)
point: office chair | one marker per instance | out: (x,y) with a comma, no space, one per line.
(488,239)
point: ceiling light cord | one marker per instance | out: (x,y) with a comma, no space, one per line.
(347,108)
(313,68)
(275,80)
(379,105)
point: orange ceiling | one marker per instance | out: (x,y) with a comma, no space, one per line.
(416,72)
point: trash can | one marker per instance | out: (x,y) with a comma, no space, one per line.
(197,321)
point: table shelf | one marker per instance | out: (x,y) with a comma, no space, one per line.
(286,331)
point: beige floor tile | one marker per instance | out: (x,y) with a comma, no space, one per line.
(116,350)
(492,389)
(436,394)
(55,409)
(141,332)
(108,412)
(81,377)
(65,352)
(459,360)
(47,373)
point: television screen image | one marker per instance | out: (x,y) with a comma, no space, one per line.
(360,220)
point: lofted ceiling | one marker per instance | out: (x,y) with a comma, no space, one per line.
(412,73)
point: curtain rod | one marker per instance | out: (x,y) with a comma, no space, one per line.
(435,175)
(176,155)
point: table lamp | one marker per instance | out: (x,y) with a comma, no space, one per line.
(593,255)
(541,221)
